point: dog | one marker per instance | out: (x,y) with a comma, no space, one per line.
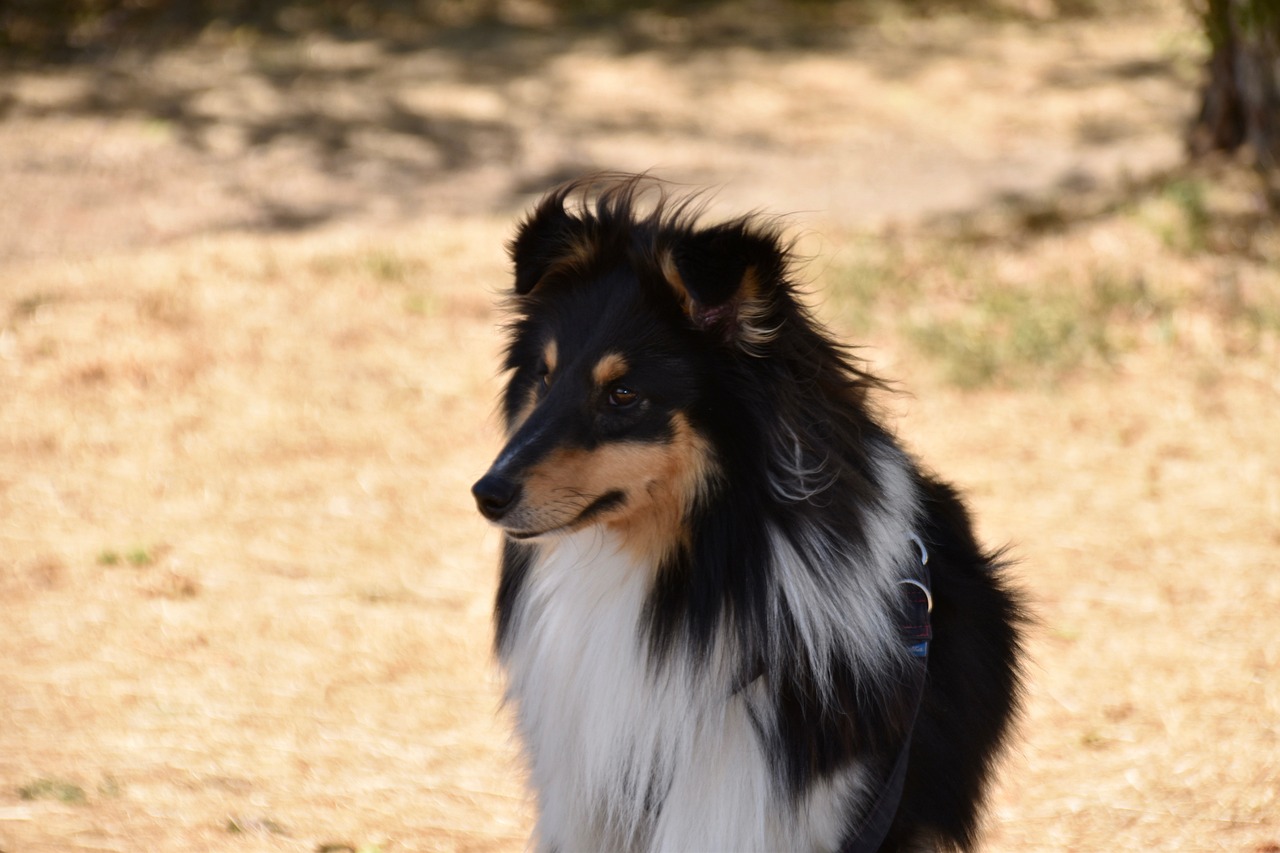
(733,614)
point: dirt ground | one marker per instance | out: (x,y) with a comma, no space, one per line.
(247,375)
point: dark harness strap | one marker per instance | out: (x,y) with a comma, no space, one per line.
(917,632)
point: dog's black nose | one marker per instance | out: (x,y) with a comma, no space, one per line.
(495,495)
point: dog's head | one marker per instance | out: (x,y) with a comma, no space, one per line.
(627,325)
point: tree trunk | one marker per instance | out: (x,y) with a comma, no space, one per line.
(1240,103)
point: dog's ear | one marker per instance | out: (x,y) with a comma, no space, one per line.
(725,277)
(551,236)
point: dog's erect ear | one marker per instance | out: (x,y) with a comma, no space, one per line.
(549,237)
(724,277)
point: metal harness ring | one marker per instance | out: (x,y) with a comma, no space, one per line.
(928,596)
(924,552)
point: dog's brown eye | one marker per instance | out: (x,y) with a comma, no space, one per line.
(620,397)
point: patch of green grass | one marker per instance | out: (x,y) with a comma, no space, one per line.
(386,265)
(1005,336)
(950,304)
(53,789)
(1012,336)
(862,290)
(1188,198)
(421,304)
(874,274)
(138,556)
(159,128)
(1041,289)
(1263,318)
(1179,215)
(1094,739)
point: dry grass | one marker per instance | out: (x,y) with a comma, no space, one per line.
(243,586)
(245,597)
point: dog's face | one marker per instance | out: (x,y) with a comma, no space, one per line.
(597,418)
(611,358)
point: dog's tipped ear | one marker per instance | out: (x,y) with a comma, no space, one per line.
(724,277)
(549,237)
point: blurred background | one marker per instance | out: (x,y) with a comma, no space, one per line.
(249,259)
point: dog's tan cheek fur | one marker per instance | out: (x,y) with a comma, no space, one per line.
(652,523)
(660,482)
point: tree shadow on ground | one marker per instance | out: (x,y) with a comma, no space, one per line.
(396,108)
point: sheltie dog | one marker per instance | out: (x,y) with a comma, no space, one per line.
(733,613)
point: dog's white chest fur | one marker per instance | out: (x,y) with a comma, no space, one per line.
(628,759)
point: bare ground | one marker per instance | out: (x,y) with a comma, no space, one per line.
(247,373)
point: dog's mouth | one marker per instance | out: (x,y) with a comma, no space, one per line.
(531,534)
(598,506)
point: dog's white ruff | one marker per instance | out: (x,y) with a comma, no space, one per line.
(604,730)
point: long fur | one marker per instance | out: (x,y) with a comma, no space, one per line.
(700,608)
